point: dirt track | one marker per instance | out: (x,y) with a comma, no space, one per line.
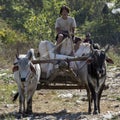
(72,104)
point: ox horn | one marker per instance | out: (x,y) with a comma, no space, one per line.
(17,53)
(17,56)
(107,47)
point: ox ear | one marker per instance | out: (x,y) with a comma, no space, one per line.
(30,54)
(109,60)
(15,68)
(32,68)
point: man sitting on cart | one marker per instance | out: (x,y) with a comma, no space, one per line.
(65,26)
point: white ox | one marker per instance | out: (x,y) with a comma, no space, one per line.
(26,76)
(66,46)
(47,52)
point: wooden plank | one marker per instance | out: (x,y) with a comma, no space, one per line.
(63,87)
(59,87)
(83,58)
(62,77)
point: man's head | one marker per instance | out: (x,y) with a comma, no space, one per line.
(77,39)
(88,35)
(64,8)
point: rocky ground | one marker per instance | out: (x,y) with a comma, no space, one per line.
(70,104)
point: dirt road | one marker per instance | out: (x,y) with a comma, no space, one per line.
(71,104)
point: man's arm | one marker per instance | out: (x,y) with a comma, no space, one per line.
(73,26)
(73,30)
(58,30)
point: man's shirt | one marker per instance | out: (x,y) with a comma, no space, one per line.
(65,25)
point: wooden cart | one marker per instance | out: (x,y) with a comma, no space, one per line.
(62,77)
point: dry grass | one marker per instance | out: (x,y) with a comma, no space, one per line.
(8,52)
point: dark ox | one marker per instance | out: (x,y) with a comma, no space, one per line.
(96,78)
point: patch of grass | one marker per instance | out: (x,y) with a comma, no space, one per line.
(114,56)
(6,92)
(7,117)
(7,85)
(6,75)
(118,98)
(115,118)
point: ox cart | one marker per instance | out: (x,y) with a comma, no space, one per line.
(62,77)
(90,76)
(66,75)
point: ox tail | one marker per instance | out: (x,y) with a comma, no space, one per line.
(15,97)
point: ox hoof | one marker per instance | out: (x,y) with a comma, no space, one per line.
(89,113)
(20,112)
(29,112)
(95,112)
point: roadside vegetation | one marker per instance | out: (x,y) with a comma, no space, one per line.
(23,24)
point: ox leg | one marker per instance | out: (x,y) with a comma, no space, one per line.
(22,95)
(89,101)
(20,104)
(30,94)
(93,96)
(24,102)
(96,103)
(29,106)
(99,97)
(20,99)
(29,101)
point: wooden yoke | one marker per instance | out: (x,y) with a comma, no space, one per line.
(83,58)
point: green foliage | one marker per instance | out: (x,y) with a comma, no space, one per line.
(5,92)
(26,22)
(9,35)
(36,19)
